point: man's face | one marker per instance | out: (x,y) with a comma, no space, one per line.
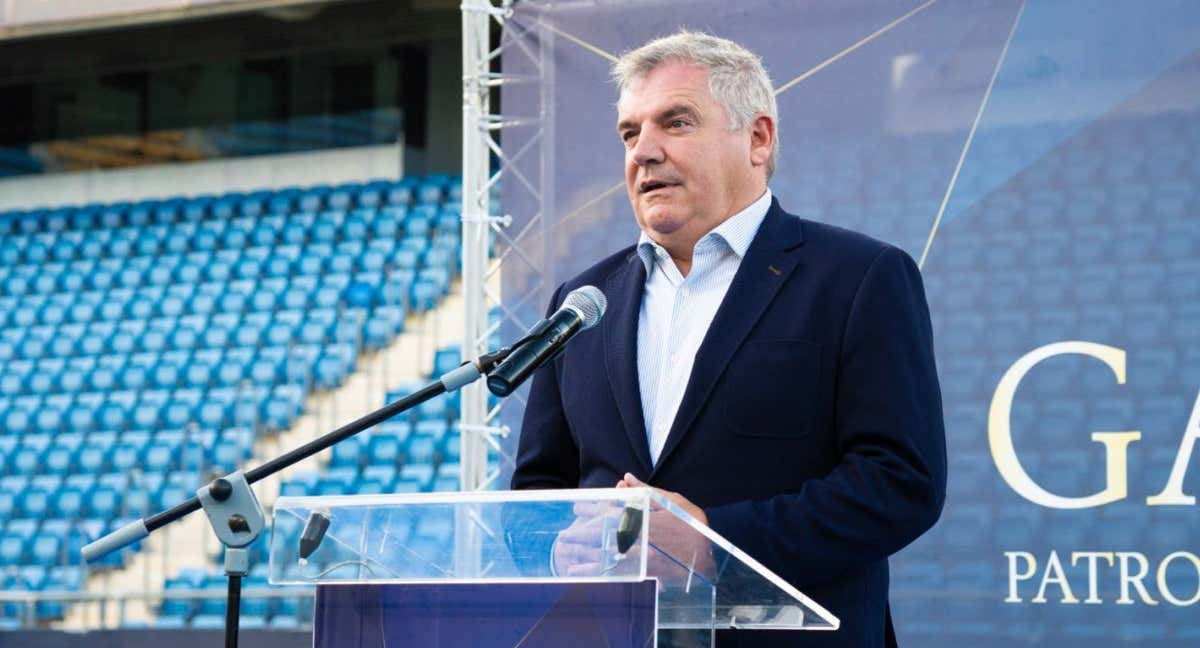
(685,171)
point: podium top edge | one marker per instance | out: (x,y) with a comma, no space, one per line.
(628,496)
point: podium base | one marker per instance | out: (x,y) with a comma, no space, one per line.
(579,615)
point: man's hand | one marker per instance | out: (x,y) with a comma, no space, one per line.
(681,550)
(629,481)
(580,549)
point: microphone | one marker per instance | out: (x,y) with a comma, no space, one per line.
(628,529)
(313,534)
(580,311)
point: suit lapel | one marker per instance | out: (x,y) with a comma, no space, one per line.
(620,326)
(768,263)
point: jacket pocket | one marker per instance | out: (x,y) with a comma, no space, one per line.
(772,388)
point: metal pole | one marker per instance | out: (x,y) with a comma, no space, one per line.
(476,23)
(476,36)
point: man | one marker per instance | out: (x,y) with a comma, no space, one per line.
(774,376)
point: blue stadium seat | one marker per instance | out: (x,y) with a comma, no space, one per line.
(25,461)
(12,381)
(325,229)
(419,476)
(354,228)
(283,407)
(36,344)
(8,503)
(46,550)
(180,609)
(384,474)
(305,481)
(398,195)
(293,233)
(232,369)
(91,246)
(103,503)
(327,487)
(451,448)
(254,204)
(51,313)
(226,457)
(69,502)
(384,323)
(436,429)
(372,194)
(126,456)
(57,459)
(336,361)
(266,296)
(284,200)
(434,409)
(36,252)
(384,450)
(348,453)
(311,199)
(424,294)
(317,327)
(179,411)
(341,197)
(359,294)
(371,487)
(210,612)
(447,477)
(430,193)
(33,503)
(247,267)
(419,450)
(13,549)
(159,457)
(46,482)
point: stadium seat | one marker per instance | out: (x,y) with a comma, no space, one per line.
(348,453)
(33,503)
(103,503)
(419,450)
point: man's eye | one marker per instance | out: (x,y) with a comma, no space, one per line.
(678,123)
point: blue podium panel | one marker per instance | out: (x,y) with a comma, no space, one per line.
(494,615)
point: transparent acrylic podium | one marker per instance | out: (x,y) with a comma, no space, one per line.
(503,543)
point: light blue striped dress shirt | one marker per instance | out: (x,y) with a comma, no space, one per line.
(677,311)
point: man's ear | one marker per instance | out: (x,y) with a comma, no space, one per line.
(762,139)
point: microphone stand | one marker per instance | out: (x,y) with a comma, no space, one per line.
(232,508)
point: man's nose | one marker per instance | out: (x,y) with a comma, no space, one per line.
(648,149)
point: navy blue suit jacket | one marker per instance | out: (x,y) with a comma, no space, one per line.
(811,428)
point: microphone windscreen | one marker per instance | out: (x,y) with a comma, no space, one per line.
(589,302)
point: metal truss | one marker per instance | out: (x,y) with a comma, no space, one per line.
(489,242)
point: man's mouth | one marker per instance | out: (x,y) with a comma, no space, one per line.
(648,186)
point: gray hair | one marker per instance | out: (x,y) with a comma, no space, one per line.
(736,77)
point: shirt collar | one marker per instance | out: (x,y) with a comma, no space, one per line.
(737,232)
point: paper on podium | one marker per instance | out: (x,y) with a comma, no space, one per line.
(703,581)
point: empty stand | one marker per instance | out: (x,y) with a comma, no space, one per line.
(146,346)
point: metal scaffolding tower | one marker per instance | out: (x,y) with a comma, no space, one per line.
(488,240)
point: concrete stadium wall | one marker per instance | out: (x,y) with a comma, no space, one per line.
(210,177)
